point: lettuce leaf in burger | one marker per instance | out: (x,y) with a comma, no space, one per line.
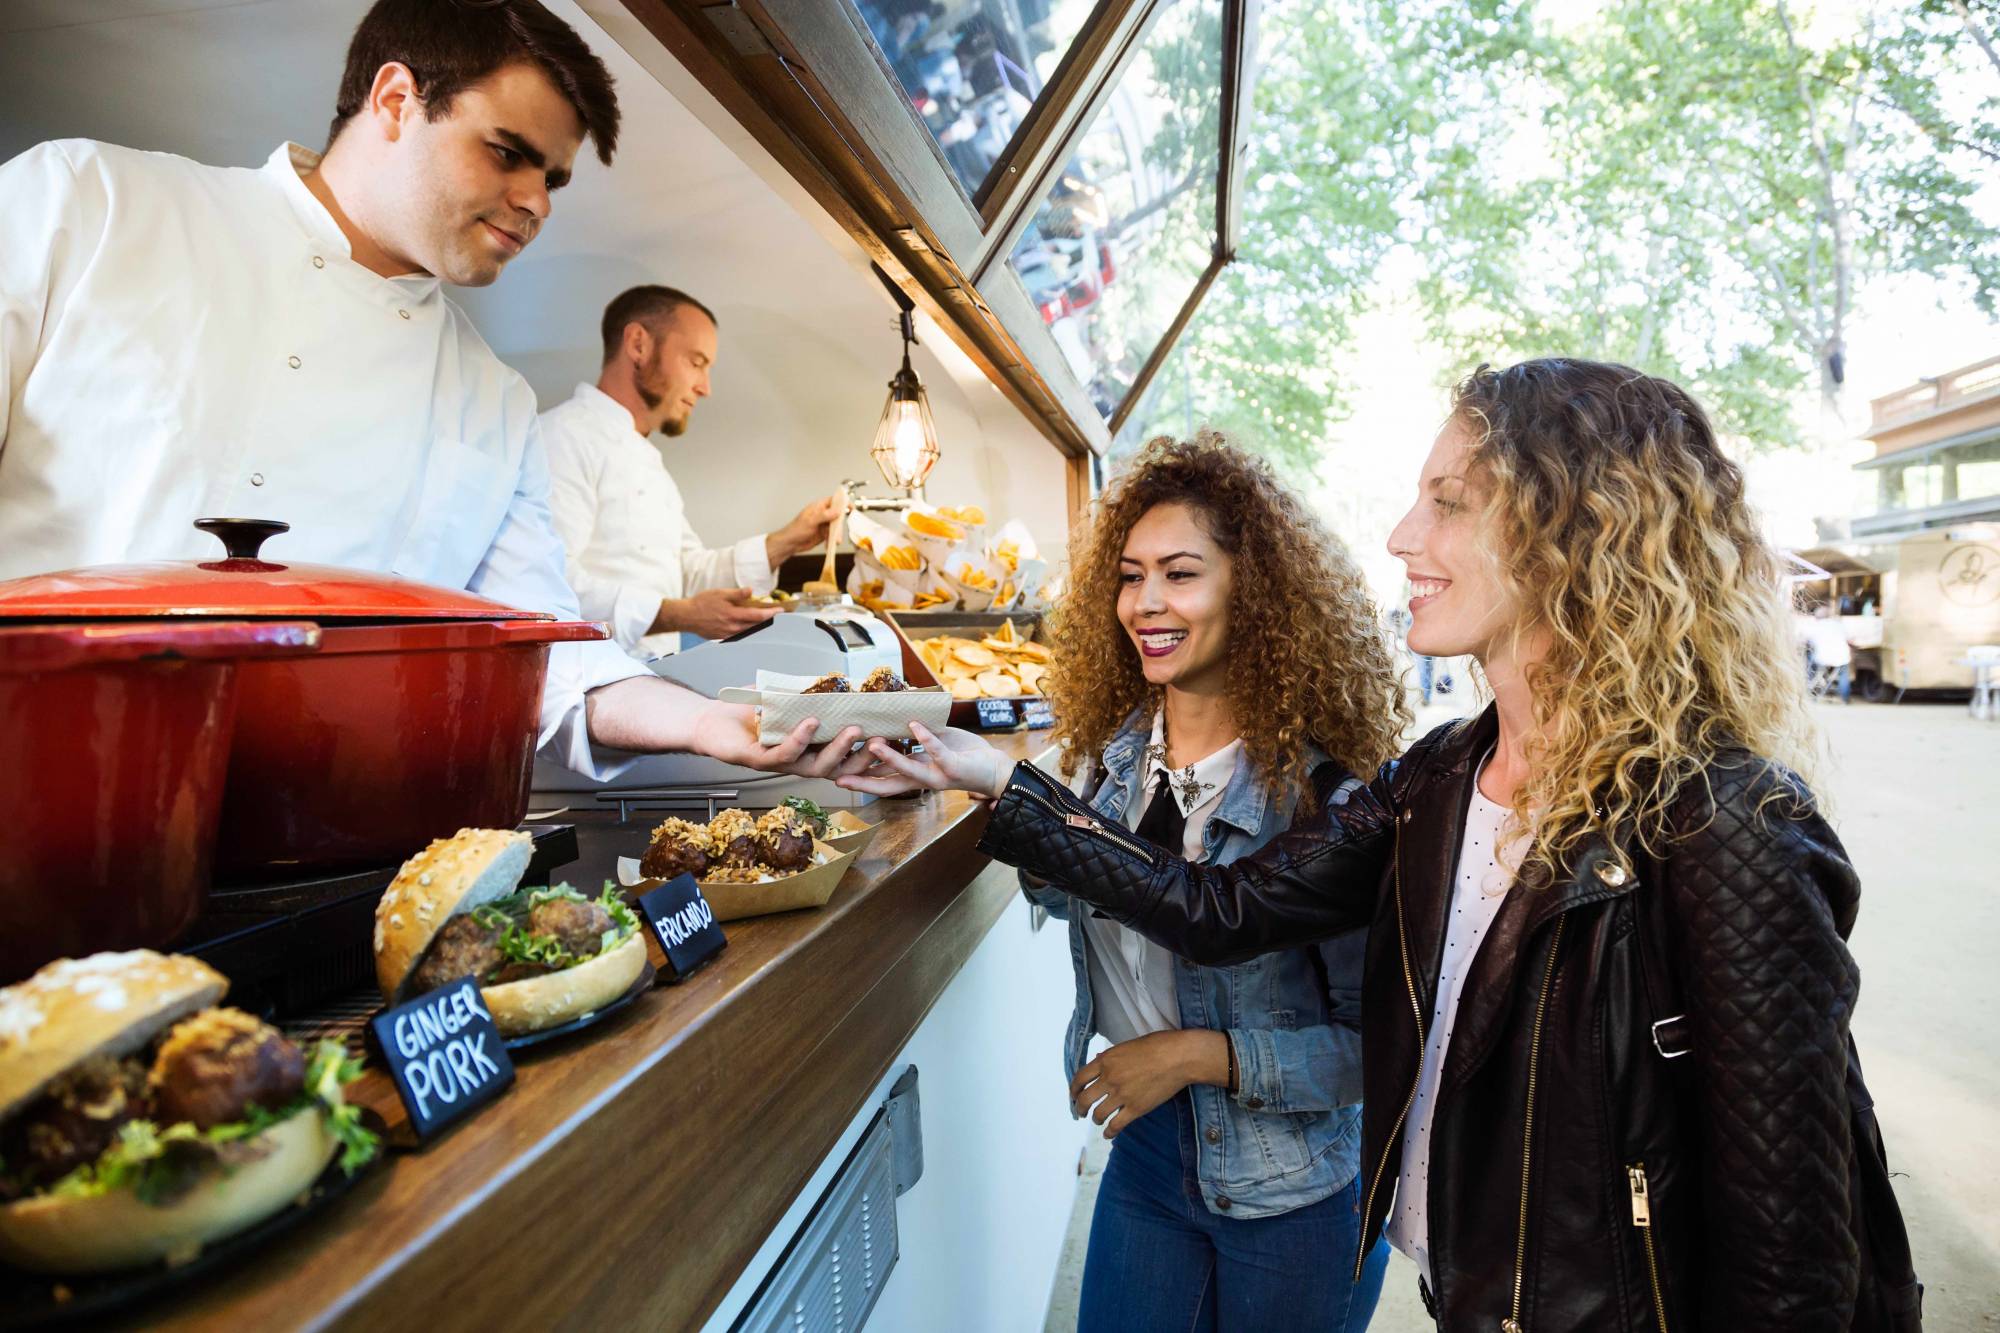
(138,1123)
(541,956)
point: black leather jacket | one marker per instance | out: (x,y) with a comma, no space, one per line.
(1559,1125)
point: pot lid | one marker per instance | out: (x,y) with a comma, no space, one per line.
(40,648)
(242,584)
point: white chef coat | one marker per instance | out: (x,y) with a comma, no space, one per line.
(1131,978)
(1486,871)
(180,340)
(624,524)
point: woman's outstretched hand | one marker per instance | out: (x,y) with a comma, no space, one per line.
(951,759)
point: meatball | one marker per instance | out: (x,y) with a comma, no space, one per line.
(215,1066)
(578,927)
(831,683)
(745,849)
(74,1121)
(466,947)
(733,833)
(679,847)
(883,681)
(787,849)
(665,860)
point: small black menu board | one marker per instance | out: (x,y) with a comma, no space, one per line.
(1036,714)
(445,1055)
(996,714)
(684,924)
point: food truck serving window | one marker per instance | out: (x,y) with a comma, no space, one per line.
(1128,226)
(974,71)
(1051,181)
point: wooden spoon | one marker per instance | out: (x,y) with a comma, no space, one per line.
(825,585)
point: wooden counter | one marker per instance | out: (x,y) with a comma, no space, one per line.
(630,1175)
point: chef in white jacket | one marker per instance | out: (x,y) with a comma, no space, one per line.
(180,341)
(634,559)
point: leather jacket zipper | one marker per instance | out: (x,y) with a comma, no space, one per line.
(1409,981)
(1088,824)
(1512,1324)
(1642,1220)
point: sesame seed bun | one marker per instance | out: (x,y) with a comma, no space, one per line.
(456,874)
(107,1004)
(452,875)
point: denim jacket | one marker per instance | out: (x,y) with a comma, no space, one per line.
(1290,1135)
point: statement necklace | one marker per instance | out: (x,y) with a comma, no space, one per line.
(1188,788)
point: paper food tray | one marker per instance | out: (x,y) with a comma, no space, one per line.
(733,902)
(850,832)
(886,714)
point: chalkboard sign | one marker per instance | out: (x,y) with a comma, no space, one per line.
(684,924)
(1037,715)
(996,714)
(444,1054)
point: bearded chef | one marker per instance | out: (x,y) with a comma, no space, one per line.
(179,340)
(634,559)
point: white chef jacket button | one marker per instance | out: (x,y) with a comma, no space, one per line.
(318,262)
(293,362)
(404,313)
(256,479)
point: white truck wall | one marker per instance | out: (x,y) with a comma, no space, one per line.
(808,338)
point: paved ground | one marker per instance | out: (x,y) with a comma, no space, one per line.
(1915,791)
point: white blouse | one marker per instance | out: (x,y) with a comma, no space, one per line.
(1485,876)
(1132,978)
(179,341)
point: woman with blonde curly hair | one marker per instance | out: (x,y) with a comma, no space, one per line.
(1216,656)
(1609,1082)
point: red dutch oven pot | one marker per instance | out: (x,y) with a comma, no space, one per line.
(116,739)
(417,716)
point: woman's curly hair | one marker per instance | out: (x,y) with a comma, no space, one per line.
(1307,658)
(1622,532)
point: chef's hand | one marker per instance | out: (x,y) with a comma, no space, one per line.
(803,532)
(647,715)
(950,759)
(715,614)
(1127,1080)
(729,732)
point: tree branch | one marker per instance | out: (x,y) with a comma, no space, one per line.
(1939,134)
(1766,270)
(1978,33)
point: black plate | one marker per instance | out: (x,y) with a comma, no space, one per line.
(640,985)
(28,1300)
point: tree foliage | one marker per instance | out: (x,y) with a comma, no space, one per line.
(1695,187)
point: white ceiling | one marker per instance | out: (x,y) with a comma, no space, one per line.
(807,334)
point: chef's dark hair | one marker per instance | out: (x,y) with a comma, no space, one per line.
(450,45)
(650,305)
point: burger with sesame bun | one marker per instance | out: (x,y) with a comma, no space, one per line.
(138,1123)
(541,956)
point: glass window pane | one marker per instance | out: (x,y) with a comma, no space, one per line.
(1128,227)
(973,68)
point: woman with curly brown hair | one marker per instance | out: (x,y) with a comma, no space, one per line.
(1215,657)
(1609,1083)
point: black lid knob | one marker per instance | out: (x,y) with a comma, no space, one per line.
(242,537)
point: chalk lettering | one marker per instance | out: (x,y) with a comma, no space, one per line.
(480,1059)
(440,1057)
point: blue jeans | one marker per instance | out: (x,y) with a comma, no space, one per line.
(1160,1261)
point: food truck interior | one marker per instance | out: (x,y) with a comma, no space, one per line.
(1048,185)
